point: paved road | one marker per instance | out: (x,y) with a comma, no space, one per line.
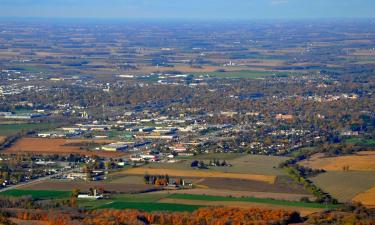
(11,187)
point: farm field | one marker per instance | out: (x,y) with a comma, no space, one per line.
(187,202)
(345,185)
(37,194)
(254,164)
(60,185)
(2,139)
(362,142)
(282,184)
(363,161)
(248,199)
(367,198)
(239,194)
(149,207)
(198,173)
(12,129)
(58,146)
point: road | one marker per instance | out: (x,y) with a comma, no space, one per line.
(16,186)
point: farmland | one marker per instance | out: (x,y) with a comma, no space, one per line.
(367,198)
(12,129)
(248,199)
(188,202)
(345,185)
(58,146)
(149,207)
(37,194)
(254,164)
(2,139)
(85,186)
(199,173)
(362,161)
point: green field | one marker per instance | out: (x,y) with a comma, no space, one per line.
(12,129)
(249,199)
(146,202)
(37,194)
(345,185)
(362,142)
(149,207)
(241,74)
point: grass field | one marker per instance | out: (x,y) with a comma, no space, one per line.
(345,185)
(37,194)
(198,173)
(249,199)
(362,142)
(149,207)
(362,161)
(12,129)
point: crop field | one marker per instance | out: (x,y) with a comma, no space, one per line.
(199,173)
(2,139)
(345,185)
(37,194)
(85,186)
(249,199)
(57,146)
(363,161)
(163,201)
(12,129)
(149,207)
(362,142)
(281,185)
(254,164)
(367,198)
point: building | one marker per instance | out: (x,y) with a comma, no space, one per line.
(113,147)
(284,117)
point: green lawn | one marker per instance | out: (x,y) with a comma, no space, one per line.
(37,194)
(150,206)
(12,129)
(250,199)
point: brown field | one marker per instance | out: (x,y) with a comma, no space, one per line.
(199,173)
(303,211)
(367,198)
(57,146)
(363,161)
(253,186)
(63,185)
(2,139)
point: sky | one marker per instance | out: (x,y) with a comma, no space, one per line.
(189,9)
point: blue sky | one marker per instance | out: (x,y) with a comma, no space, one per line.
(189,9)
